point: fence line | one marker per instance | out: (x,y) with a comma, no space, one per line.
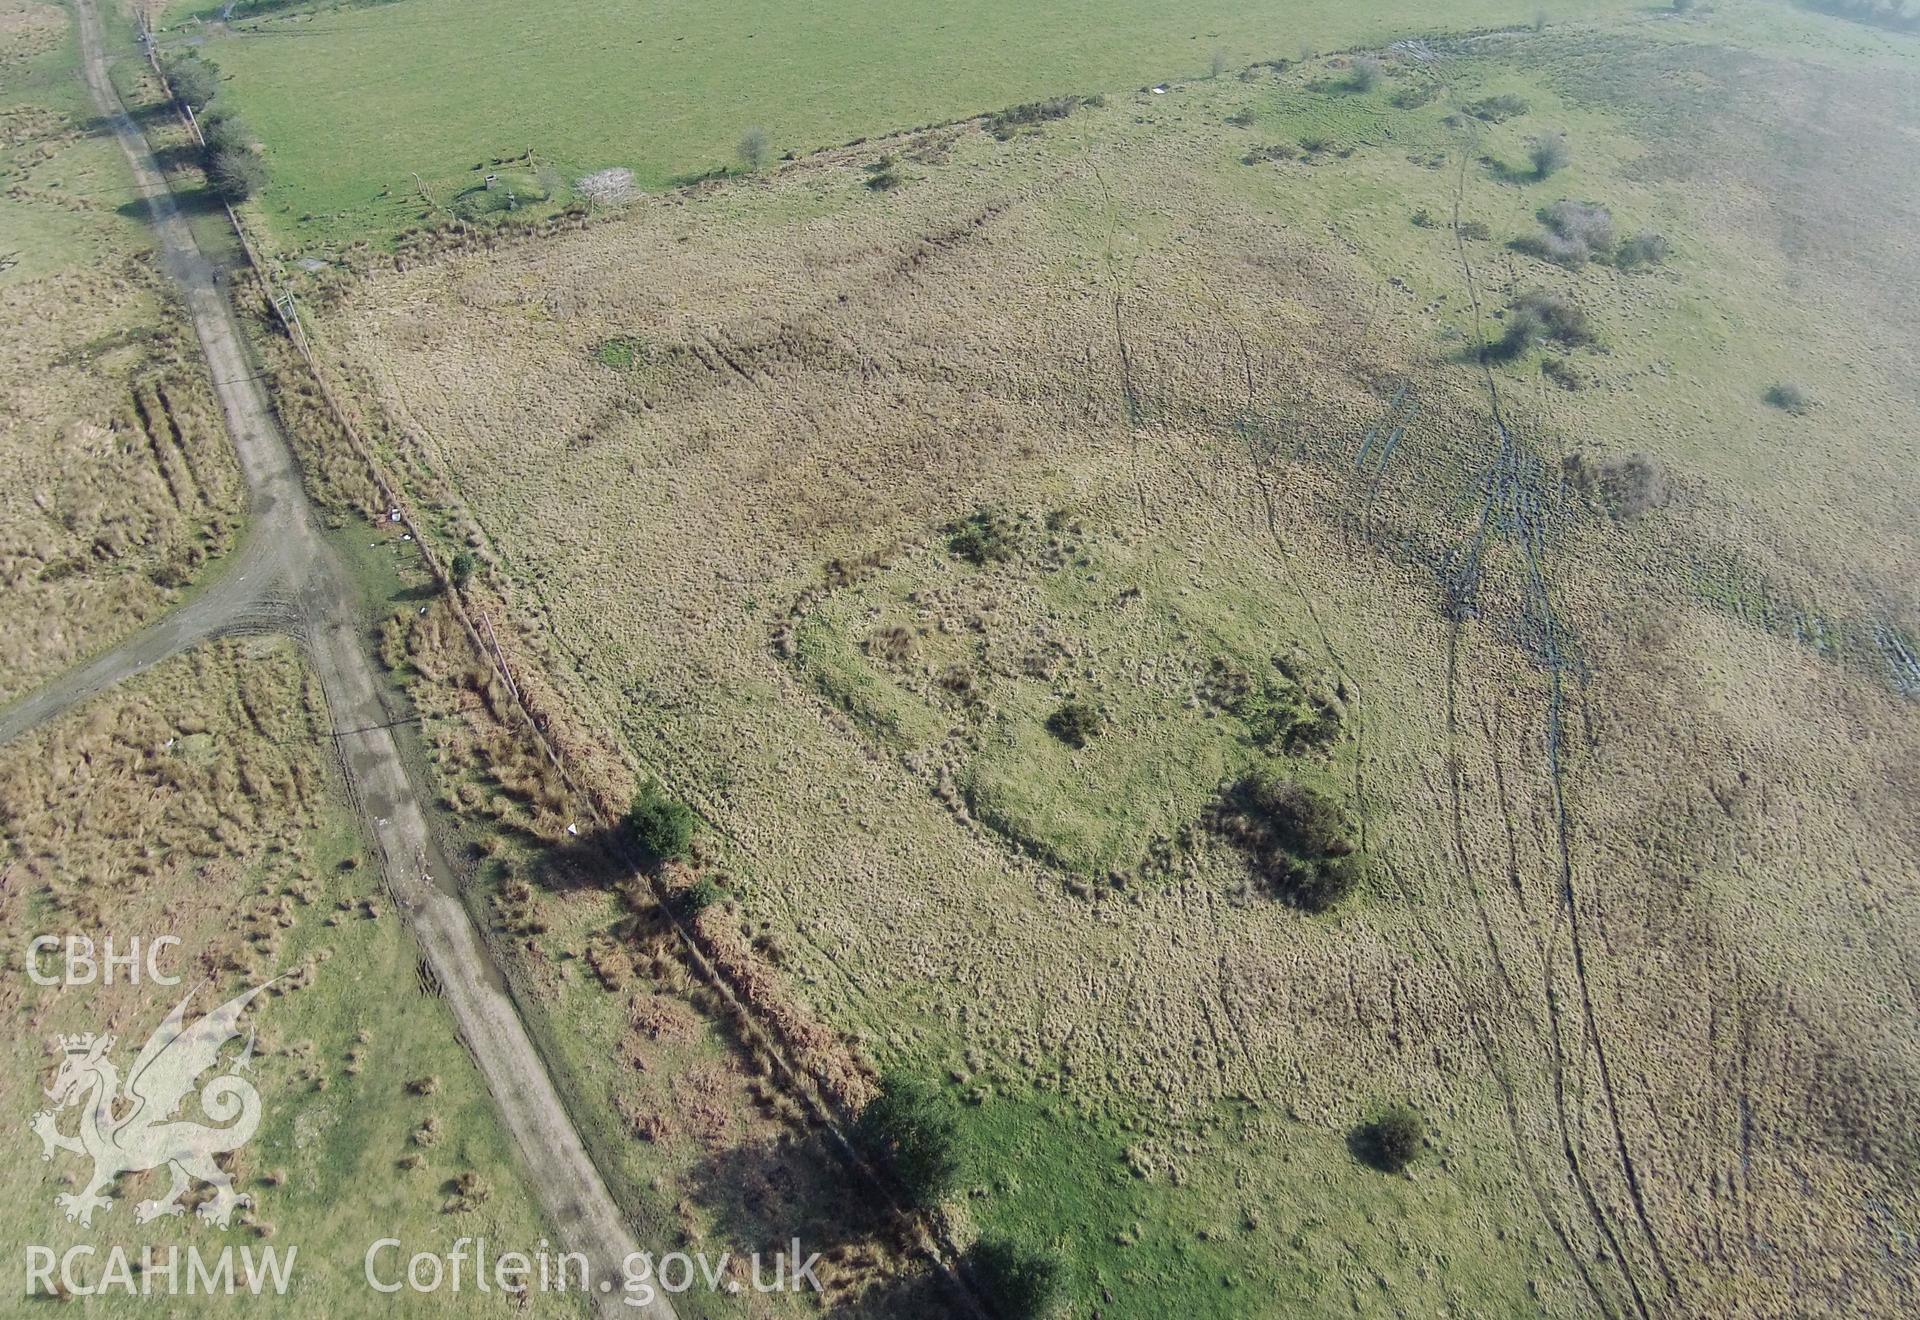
(817,1095)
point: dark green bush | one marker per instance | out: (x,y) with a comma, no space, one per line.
(702,894)
(661,826)
(911,1130)
(1789,397)
(1392,1141)
(461,567)
(1297,838)
(1015,1283)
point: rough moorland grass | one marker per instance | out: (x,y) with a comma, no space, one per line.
(213,816)
(655,534)
(695,1143)
(353,103)
(120,480)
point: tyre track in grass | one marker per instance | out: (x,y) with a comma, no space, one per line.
(1518,500)
(1470,999)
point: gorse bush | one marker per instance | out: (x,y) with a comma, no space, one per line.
(1539,317)
(1003,124)
(661,825)
(1016,1283)
(1298,839)
(910,1129)
(1393,1141)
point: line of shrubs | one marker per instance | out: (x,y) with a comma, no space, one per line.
(1574,233)
(235,168)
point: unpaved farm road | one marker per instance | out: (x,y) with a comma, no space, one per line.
(287,577)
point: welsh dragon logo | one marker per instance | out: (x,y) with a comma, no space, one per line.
(131,1130)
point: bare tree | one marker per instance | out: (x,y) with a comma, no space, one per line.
(755,149)
(1367,73)
(1217,65)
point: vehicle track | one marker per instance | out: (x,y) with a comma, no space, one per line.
(1483,1038)
(287,575)
(1516,498)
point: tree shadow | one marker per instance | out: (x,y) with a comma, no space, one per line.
(1363,1143)
(593,859)
(764,1194)
(195,202)
(176,156)
(142,116)
(925,1295)
(714,175)
(419,591)
(1503,172)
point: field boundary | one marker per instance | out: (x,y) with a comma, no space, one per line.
(820,1098)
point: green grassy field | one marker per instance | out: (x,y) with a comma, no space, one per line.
(352,103)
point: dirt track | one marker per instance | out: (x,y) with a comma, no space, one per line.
(287,577)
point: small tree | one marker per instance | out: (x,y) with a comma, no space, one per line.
(1392,1141)
(1217,62)
(1016,1283)
(225,130)
(911,1129)
(1367,73)
(755,149)
(461,567)
(1549,154)
(662,826)
(195,80)
(237,173)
